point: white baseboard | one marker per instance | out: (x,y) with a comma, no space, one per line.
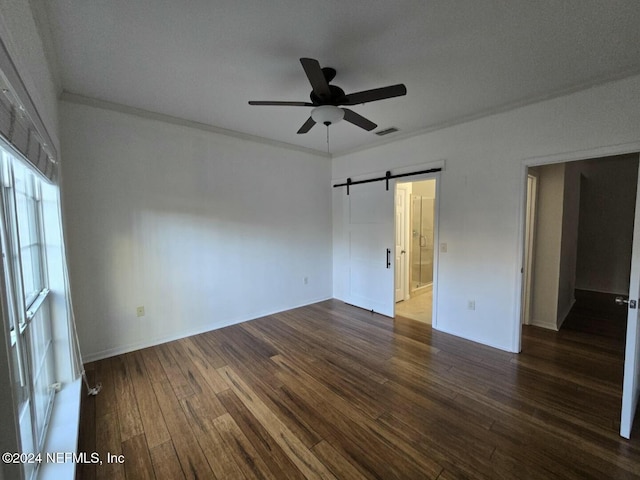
(608,292)
(504,348)
(544,324)
(131,347)
(565,314)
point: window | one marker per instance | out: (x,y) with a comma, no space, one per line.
(24,261)
(27,193)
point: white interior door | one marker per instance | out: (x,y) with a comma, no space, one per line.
(370,229)
(530,225)
(401,255)
(631,383)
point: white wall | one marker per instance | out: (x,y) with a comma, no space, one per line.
(204,230)
(548,241)
(606,224)
(569,241)
(556,244)
(482,196)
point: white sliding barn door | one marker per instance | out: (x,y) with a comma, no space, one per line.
(369,216)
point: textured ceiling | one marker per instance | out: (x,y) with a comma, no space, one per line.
(202,60)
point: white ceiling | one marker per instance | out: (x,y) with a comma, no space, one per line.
(203,60)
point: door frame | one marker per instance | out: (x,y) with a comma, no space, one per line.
(436,238)
(605,151)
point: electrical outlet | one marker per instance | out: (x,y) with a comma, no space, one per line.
(443,248)
(140,311)
(471,304)
(305,280)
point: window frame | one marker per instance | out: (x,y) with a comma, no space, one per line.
(31,355)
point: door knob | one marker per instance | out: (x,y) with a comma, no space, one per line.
(625,301)
(622,301)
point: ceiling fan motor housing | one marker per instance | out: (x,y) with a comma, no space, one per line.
(335,97)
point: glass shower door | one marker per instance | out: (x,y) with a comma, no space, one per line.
(422,217)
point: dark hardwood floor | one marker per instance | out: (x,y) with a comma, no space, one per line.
(332,391)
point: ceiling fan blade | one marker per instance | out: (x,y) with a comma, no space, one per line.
(285,104)
(375,94)
(316,77)
(359,120)
(306,126)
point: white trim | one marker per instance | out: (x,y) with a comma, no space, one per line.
(595,82)
(597,152)
(562,317)
(472,338)
(110,352)
(602,291)
(161,117)
(62,435)
(548,325)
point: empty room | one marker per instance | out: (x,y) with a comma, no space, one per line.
(337,240)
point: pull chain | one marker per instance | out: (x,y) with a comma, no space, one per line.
(328,140)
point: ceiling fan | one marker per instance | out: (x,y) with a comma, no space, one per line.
(327,98)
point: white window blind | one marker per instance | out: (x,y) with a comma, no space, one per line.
(20,124)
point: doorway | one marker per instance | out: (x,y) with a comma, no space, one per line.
(415,249)
(369,227)
(578,254)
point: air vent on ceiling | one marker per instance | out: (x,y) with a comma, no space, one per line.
(387,131)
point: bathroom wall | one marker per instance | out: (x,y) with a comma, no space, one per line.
(426,188)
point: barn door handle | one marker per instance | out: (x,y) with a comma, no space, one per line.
(388,257)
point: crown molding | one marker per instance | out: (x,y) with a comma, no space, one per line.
(161,117)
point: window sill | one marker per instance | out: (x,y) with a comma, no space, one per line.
(62,436)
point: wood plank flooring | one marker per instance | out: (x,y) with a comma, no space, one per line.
(329,391)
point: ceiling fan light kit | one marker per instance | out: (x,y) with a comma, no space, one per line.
(327,99)
(327,114)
